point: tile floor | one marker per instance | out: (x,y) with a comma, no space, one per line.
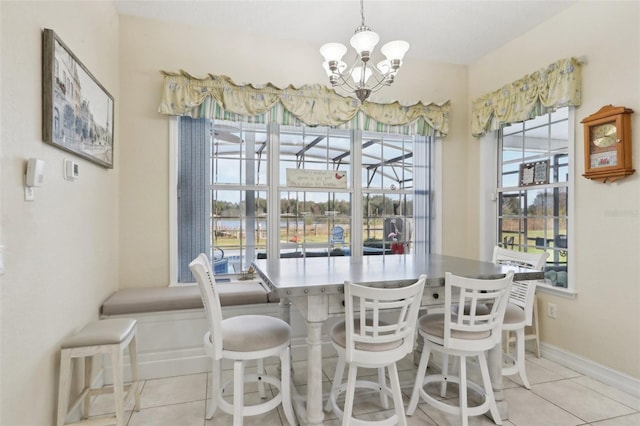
(558,397)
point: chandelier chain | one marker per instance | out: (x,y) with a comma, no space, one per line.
(362,11)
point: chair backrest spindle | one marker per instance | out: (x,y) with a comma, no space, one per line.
(377,305)
(474,326)
(201,269)
(517,258)
(522,293)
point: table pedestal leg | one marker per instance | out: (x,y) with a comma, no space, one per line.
(285,310)
(285,315)
(315,415)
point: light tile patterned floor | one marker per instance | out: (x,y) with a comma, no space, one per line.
(559,397)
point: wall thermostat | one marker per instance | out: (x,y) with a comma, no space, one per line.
(35,173)
(71,170)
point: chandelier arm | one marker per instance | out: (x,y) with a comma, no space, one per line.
(345,76)
(354,63)
(344,81)
(379,85)
(379,78)
(377,74)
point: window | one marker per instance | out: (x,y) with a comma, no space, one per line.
(387,198)
(314,221)
(235,204)
(533,212)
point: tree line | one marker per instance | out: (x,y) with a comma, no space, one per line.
(377,205)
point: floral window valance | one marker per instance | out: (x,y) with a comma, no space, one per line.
(558,85)
(313,105)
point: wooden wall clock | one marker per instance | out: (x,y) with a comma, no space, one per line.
(607,144)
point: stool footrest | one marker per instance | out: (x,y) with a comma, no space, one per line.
(454,409)
(96,421)
(253,410)
(362,384)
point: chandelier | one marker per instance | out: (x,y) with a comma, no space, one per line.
(361,77)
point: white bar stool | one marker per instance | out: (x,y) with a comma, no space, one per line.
(463,333)
(369,342)
(108,336)
(242,338)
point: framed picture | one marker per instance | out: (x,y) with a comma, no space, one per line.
(535,173)
(77,109)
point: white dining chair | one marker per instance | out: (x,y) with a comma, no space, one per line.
(378,331)
(463,333)
(241,339)
(521,311)
(535,261)
(519,258)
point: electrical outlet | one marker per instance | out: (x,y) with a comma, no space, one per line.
(552,310)
(29,193)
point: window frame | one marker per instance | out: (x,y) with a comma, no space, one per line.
(570,290)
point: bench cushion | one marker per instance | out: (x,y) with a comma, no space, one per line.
(156,299)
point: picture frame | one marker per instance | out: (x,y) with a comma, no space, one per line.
(77,111)
(534,173)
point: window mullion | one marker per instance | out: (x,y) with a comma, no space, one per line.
(357,240)
(273,203)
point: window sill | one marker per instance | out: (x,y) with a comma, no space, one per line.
(222,279)
(557,291)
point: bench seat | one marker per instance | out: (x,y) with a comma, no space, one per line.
(157,299)
(171,322)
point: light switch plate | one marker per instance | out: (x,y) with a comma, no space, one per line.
(71,170)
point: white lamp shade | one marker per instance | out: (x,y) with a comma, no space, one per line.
(395,49)
(341,67)
(384,67)
(333,51)
(364,41)
(356,75)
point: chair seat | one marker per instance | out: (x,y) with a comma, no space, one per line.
(248,333)
(481,309)
(339,337)
(433,325)
(513,315)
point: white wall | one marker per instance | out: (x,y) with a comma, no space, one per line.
(602,323)
(61,250)
(147,46)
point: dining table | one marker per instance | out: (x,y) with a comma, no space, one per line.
(315,287)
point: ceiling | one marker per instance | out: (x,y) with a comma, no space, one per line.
(449,31)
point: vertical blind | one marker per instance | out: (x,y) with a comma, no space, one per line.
(194,205)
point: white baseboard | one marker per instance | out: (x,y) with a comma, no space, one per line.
(602,373)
